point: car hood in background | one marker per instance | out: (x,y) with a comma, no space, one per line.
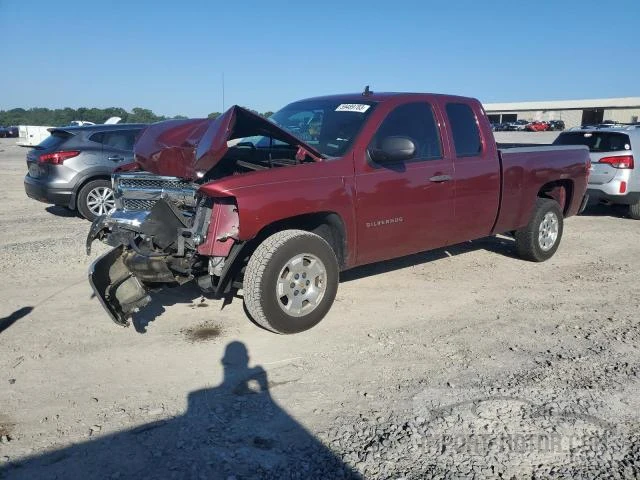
(190,148)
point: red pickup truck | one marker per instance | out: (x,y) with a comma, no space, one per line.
(278,207)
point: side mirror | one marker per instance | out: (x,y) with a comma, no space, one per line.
(393,149)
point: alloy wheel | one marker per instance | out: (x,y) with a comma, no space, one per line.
(548,231)
(100,201)
(301,285)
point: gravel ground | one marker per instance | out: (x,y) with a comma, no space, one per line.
(464,362)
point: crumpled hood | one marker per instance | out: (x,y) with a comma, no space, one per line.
(190,148)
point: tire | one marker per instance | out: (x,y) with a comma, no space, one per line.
(540,239)
(585,204)
(90,197)
(271,271)
(634,211)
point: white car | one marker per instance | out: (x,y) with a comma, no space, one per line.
(614,177)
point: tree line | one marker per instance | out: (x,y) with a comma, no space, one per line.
(59,117)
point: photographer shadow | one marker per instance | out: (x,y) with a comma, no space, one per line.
(234,430)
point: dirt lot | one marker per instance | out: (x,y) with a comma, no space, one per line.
(464,362)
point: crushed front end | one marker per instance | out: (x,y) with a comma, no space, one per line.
(157,228)
(164,231)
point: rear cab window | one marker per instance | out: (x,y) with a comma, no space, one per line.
(464,129)
(597,142)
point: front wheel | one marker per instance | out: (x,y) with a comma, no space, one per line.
(291,281)
(540,239)
(96,199)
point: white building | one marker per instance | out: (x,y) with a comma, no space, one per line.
(573,112)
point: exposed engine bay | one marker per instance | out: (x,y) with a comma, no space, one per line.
(245,157)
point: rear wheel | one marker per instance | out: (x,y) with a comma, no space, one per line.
(96,199)
(634,211)
(290,281)
(539,240)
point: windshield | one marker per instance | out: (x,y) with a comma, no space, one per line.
(596,141)
(327,125)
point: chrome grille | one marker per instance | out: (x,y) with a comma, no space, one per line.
(137,204)
(152,183)
(141,191)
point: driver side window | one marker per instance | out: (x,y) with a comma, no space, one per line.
(416,122)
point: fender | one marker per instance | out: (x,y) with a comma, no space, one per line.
(260,204)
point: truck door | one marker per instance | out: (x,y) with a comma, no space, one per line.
(404,206)
(477,172)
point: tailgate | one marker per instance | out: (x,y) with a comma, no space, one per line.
(35,169)
(601,143)
(52,143)
(602,173)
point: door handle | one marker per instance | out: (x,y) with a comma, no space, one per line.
(116,158)
(440,178)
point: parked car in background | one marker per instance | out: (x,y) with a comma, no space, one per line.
(86,123)
(518,125)
(556,125)
(499,127)
(379,176)
(4,131)
(614,178)
(605,124)
(72,167)
(12,132)
(536,127)
(80,123)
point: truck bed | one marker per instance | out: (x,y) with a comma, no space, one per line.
(526,170)
(504,146)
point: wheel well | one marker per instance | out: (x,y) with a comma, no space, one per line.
(74,200)
(560,190)
(327,225)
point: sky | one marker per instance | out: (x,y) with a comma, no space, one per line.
(171,57)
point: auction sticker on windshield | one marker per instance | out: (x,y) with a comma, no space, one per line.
(353,107)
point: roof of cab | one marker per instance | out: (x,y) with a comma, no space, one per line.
(380,96)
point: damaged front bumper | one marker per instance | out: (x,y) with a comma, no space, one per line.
(127,225)
(152,249)
(118,289)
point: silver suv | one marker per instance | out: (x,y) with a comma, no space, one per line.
(72,167)
(614,177)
